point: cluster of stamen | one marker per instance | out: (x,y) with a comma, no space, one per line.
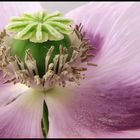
(59,72)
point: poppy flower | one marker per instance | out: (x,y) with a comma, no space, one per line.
(43,91)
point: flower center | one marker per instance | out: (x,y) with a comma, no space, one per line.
(46,61)
(40,50)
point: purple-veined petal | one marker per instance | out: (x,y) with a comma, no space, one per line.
(99,20)
(90,112)
(107,104)
(118,24)
(22,118)
(9,9)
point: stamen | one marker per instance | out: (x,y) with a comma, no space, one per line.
(37,80)
(58,71)
(92,48)
(61,49)
(91,55)
(2,35)
(79,69)
(91,64)
(49,53)
(31,63)
(55,61)
(20,63)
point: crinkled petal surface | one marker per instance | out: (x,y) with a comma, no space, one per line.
(108,103)
(9,9)
(22,117)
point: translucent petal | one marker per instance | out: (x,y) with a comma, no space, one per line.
(106,104)
(22,118)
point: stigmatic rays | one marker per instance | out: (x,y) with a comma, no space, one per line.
(40,26)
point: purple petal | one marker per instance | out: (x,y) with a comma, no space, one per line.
(91,112)
(108,103)
(99,20)
(9,92)
(22,118)
(8,9)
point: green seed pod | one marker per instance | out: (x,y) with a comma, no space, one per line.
(39,50)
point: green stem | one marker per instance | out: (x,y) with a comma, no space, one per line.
(45,120)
